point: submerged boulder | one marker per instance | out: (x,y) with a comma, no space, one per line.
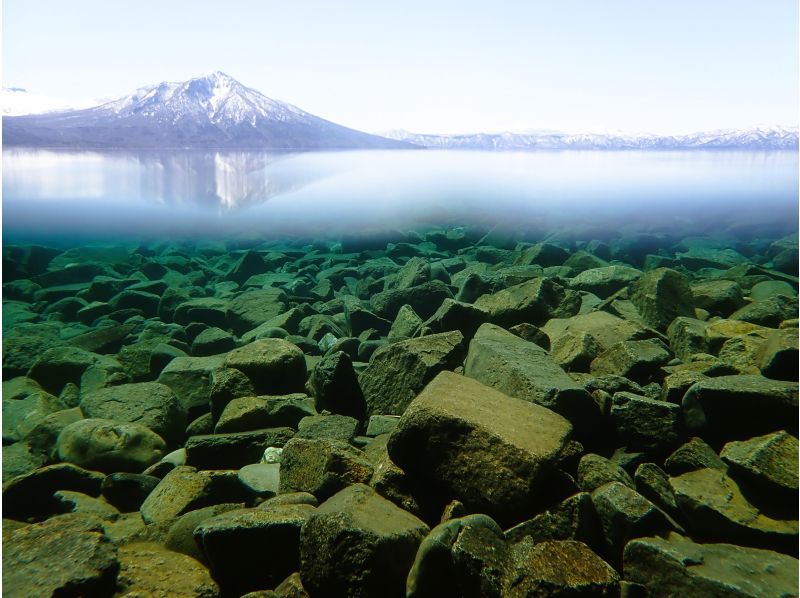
(677,566)
(523,370)
(273,365)
(65,555)
(534,301)
(487,449)
(145,403)
(358,544)
(399,371)
(104,445)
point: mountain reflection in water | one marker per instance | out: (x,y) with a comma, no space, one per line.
(207,180)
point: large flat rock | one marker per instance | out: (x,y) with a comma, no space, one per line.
(524,370)
(676,566)
(739,407)
(484,447)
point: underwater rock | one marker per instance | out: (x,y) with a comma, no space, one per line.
(558,568)
(719,297)
(653,483)
(235,449)
(190,378)
(183,489)
(575,351)
(770,460)
(594,471)
(779,354)
(68,501)
(605,281)
(65,555)
(543,254)
(768,312)
(334,385)
(151,570)
(646,424)
(127,491)
(662,295)
(360,319)
(534,301)
(254,413)
(455,315)
(180,535)
(359,544)
(103,340)
(715,507)
(739,407)
(291,587)
(606,329)
(250,264)
(524,370)
(625,514)
(399,371)
(148,404)
(250,549)
(20,458)
(405,324)
(485,448)
(640,361)
(322,467)
(31,494)
(424,299)
(212,341)
(23,345)
(109,446)
(59,365)
(22,416)
(381,424)
(677,566)
(687,336)
(251,308)
(227,384)
(262,479)
(574,518)
(461,557)
(332,427)
(273,365)
(694,454)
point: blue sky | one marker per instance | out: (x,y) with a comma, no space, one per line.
(433,66)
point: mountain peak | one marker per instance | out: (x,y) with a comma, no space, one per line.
(210,110)
(217,76)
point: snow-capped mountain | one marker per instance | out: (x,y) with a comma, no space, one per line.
(210,111)
(756,138)
(16,101)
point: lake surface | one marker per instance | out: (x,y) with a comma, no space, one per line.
(106,195)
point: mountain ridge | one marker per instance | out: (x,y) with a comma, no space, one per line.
(210,111)
(776,137)
(215,111)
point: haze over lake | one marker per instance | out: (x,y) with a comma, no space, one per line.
(143,194)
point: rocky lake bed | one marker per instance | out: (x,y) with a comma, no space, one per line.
(449,411)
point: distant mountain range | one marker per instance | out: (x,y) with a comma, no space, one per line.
(756,138)
(211,111)
(215,111)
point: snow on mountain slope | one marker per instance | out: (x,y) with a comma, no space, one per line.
(210,111)
(215,96)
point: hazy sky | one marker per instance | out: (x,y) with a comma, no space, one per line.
(433,66)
